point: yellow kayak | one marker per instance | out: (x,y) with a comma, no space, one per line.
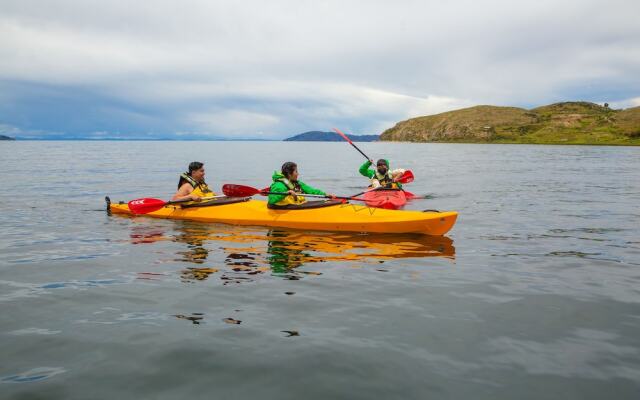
(325,216)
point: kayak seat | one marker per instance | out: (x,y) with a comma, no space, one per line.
(305,206)
(217,202)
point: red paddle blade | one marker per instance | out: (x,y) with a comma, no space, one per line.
(345,137)
(407,177)
(146,205)
(231,190)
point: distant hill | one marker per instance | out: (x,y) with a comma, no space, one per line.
(318,136)
(559,123)
(3,137)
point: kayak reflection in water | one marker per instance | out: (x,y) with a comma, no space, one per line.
(191,185)
(283,256)
(286,182)
(382,175)
(250,252)
(289,250)
(196,251)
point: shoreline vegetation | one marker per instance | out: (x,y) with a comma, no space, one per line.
(570,123)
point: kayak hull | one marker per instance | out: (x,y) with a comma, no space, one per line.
(389,199)
(344,217)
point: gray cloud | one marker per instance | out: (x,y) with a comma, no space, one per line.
(245,68)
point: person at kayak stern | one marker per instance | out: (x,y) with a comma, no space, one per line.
(286,182)
(382,175)
(191,185)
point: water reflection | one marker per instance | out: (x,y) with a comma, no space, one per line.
(238,254)
(142,234)
(196,252)
(284,254)
(195,318)
(193,274)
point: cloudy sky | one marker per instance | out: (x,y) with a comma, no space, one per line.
(270,69)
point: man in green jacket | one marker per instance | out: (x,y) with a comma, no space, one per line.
(287,183)
(382,175)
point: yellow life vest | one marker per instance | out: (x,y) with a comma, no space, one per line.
(392,185)
(200,189)
(290,199)
(383,179)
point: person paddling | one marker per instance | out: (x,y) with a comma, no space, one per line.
(192,185)
(286,182)
(382,175)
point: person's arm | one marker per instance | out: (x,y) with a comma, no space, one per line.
(310,190)
(365,171)
(397,173)
(184,193)
(278,187)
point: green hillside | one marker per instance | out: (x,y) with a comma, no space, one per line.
(560,123)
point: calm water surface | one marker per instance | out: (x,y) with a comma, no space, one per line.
(535,293)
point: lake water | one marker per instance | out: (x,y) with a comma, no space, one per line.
(534,294)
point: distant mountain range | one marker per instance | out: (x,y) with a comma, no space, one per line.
(319,136)
(191,138)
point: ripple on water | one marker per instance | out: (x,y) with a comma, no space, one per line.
(33,375)
(24,290)
(591,350)
(33,331)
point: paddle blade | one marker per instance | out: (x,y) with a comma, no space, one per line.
(231,190)
(407,177)
(345,137)
(409,195)
(146,205)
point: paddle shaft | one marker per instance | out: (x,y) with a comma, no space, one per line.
(345,137)
(370,190)
(188,200)
(321,196)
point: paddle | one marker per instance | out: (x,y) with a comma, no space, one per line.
(345,137)
(232,190)
(147,205)
(407,177)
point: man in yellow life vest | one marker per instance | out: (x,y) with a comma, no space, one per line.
(191,185)
(286,182)
(382,175)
